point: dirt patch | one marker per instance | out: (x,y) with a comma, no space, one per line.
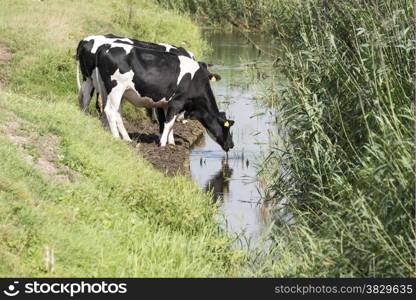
(172,159)
(4,55)
(38,150)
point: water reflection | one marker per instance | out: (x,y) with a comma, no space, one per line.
(219,184)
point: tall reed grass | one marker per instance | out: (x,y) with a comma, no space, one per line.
(347,174)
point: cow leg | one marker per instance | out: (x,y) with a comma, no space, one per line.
(167,131)
(85,94)
(120,124)
(161,117)
(181,117)
(99,105)
(102,115)
(111,110)
(101,94)
(171,140)
(152,114)
(175,106)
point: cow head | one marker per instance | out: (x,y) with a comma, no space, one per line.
(203,107)
(217,126)
(222,135)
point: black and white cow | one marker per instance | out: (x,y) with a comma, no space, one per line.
(86,52)
(150,78)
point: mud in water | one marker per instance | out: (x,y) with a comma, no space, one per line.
(172,159)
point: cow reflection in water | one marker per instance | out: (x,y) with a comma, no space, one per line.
(220,182)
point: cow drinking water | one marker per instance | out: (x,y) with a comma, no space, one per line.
(155,79)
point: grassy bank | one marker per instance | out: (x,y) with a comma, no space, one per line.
(66,186)
(347,174)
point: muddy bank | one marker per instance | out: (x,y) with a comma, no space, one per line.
(172,159)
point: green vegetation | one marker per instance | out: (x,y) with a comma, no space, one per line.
(253,15)
(114,215)
(347,174)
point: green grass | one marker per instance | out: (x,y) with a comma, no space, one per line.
(115,219)
(118,216)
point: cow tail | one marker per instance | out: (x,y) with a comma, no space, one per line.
(98,87)
(78,79)
(77,58)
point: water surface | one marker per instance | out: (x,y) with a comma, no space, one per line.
(234,182)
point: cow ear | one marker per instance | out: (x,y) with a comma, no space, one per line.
(214,77)
(228,123)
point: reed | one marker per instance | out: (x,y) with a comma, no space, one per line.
(347,171)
